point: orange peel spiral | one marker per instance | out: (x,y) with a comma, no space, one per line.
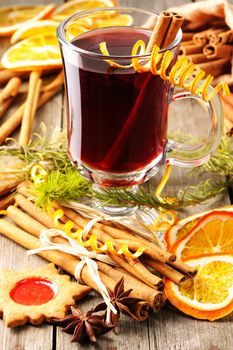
(181,74)
(92,242)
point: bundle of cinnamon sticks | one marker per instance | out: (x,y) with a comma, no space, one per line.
(210,49)
(37,94)
(143,275)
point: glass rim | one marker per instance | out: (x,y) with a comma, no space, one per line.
(62,39)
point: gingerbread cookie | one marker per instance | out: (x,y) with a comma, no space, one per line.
(37,295)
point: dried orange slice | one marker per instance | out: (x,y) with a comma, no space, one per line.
(71,7)
(184,226)
(12,17)
(30,28)
(116,20)
(35,52)
(75,29)
(209,295)
(211,234)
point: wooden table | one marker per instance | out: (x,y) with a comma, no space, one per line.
(168,330)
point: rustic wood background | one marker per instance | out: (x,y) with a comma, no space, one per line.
(168,330)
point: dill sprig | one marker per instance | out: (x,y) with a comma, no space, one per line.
(61,186)
(64,182)
(190,195)
(222,161)
(51,152)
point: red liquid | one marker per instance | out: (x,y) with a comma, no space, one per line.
(117,118)
(33,291)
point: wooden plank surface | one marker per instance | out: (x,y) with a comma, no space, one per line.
(13,256)
(169,330)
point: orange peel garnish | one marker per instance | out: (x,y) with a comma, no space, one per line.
(180,75)
(38,174)
(92,242)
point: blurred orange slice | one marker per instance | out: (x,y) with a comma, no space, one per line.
(209,295)
(30,28)
(74,30)
(35,52)
(117,20)
(13,17)
(71,7)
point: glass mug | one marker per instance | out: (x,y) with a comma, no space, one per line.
(117,118)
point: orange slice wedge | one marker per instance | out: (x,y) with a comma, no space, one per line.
(117,20)
(71,7)
(40,51)
(30,28)
(209,295)
(74,30)
(13,17)
(184,226)
(211,234)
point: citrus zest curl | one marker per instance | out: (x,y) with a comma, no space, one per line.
(181,73)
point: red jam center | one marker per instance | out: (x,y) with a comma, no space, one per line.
(33,291)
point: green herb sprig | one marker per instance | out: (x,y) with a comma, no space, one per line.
(64,182)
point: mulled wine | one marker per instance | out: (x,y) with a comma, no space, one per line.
(117,118)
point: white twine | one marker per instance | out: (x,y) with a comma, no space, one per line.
(74,248)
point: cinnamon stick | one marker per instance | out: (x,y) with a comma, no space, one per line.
(187,43)
(216,67)
(68,262)
(183,267)
(6,75)
(198,58)
(144,292)
(151,250)
(159,31)
(133,241)
(63,260)
(228,127)
(173,28)
(213,33)
(14,121)
(47,221)
(190,49)
(10,90)
(25,221)
(5,105)
(154,282)
(145,274)
(201,38)
(225,37)
(227,102)
(218,51)
(165,270)
(8,186)
(57,82)
(6,200)
(11,124)
(34,211)
(30,107)
(187,37)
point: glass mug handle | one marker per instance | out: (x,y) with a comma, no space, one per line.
(185,155)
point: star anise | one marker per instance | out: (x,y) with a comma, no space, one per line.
(84,326)
(122,302)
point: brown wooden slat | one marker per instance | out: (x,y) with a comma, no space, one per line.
(14,257)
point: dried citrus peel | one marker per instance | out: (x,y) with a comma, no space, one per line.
(38,174)
(92,242)
(180,75)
